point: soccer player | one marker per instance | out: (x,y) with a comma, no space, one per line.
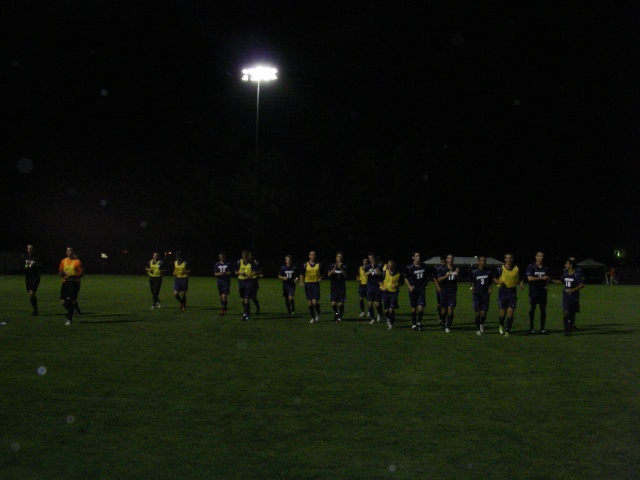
(481,281)
(448,281)
(246,272)
(361,278)
(392,279)
(181,281)
(310,278)
(155,269)
(71,271)
(32,269)
(438,271)
(373,272)
(573,283)
(507,277)
(538,277)
(222,272)
(337,274)
(416,281)
(256,286)
(289,276)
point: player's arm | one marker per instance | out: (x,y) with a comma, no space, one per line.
(319,272)
(304,270)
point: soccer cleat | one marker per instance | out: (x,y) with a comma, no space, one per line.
(317,317)
(378,318)
(68,322)
(478,332)
(339,319)
(419,327)
(292,313)
(481,328)
(158,305)
(532,332)
(372,321)
(312,320)
(390,325)
(245,317)
(543,332)
(501,330)
(506,334)
(362,314)
(448,330)
(414,327)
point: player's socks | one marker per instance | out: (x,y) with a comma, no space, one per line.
(420,315)
(178,298)
(312,311)
(543,319)
(449,320)
(371,311)
(501,321)
(483,319)
(76,307)
(335,308)
(379,309)
(478,321)
(246,308)
(34,304)
(362,305)
(318,308)
(287,304)
(184,300)
(509,323)
(392,316)
(340,311)
(256,302)
(413,318)
(293,305)
(531,314)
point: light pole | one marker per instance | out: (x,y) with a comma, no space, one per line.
(257,74)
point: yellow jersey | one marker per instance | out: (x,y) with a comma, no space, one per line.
(180,269)
(311,273)
(509,278)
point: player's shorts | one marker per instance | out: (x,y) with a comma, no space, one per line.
(480,302)
(338,293)
(32,284)
(69,290)
(181,284)
(390,300)
(570,303)
(417,298)
(507,298)
(448,297)
(538,298)
(288,289)
(224,287)
(374,294)
(246,288)
(312,291)
(362,291)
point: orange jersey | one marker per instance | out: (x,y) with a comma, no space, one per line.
(71,268)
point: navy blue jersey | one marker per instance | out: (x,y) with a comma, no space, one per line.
(289,271)
(374,278)
(416,275)
(338,277)
(225,269)
(572,281)
(481,280)
(31,267)
(533,270)
(451,282)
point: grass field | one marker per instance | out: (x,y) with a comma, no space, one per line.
(126,392)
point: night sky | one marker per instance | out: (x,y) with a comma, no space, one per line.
(453,127)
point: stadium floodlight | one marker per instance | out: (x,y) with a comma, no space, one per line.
(257,74)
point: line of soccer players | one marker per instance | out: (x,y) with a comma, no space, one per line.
(378,285)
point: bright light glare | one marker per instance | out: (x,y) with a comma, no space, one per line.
(259,74)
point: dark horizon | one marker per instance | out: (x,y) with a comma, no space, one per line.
(444,127)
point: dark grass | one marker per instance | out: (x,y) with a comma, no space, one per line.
(134,393)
